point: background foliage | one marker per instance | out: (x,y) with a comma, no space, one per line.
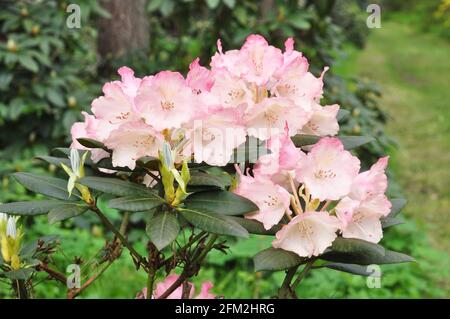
(49,73)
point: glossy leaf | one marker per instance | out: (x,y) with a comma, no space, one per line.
(220,202)
(213,223)
(276,259)
(49,186)
(116,186)
(163,229)
(135,203)
(356,251)
(31,208)
(66,211)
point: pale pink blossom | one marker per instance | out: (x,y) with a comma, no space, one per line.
(361,219)
(131,141)
(117,104)
(281,161)
(328,171)
(258,60)
(323,121)
(94,129)
(165,101)
(268,117)
(162,286)
(230,91)
(212,140)
(294,63)
(300,86)
(205,291)
(371,182)
(272,200)
(255,62)
(308,234)
(199,78)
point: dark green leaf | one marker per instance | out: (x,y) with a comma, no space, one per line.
(356,251)
(342,114)
(135,203)
(30,208)
(117,186)
(163,229)
(351,268)
(397,205)
(276,259)
(390,221)
(28,63)
(220,202)
(90,143)
(21,274)
(205,179)
(55,160)
(49,186)
(351,142)
(255,227)
(66,211)
(214,223)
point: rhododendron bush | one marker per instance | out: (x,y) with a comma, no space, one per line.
(243,147)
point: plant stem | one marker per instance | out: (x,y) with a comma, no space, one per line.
(302,274)
(121,237)
(150,282)
(285,291)
(207,248)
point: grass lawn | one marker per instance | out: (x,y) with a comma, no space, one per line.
(413,69)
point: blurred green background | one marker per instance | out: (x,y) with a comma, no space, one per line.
(394,81)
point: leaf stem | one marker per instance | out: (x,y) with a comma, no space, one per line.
(302,275)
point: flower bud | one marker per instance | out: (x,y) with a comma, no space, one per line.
(11,45)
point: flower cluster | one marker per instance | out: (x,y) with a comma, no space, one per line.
(257,91)
(312,183)
(254,91)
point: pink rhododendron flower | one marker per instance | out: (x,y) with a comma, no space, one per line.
(308,234)
(161,287)
(371,182)
(361,219)
(213,139)
(328,170)
(255,62)
(91,128)
(259,60)
(282,160)
(323,121)
(296,84)
(199,78)
(294,63)
(268,117)
(272,200)
(117,104)
(231,91)
(132,141)
(165,101)
(205,291)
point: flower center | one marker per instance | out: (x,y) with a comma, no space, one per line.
(167,105)
(234,95)
(324,174)
(144,141)
(271,201)
(271,117)
(305,229)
